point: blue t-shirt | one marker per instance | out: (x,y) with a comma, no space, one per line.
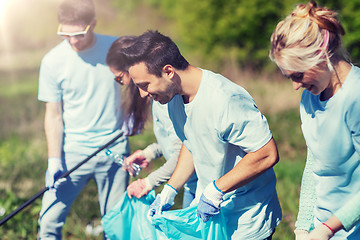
(164,131)
(332,133)
(90,97)
(219,127)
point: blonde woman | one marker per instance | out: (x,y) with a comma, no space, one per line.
(306,46)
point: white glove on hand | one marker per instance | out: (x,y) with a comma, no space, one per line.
(321,232)
(163,201)
(210,200)
(139,188)
(301,234)
(54,171)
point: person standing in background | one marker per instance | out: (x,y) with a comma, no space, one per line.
(83,113)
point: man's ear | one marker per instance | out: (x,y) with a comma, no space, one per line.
(93,24)
(169,71)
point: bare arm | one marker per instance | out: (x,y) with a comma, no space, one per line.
(54,128)
(334,223)
(184,169)
(347,216)
(251,166)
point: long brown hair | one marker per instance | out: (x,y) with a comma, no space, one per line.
(135,108)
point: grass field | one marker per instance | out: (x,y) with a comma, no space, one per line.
(23,157)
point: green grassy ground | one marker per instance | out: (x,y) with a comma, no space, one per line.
(23,162)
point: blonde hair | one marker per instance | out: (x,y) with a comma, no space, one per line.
(307,37)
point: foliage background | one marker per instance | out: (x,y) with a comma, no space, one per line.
(230,37)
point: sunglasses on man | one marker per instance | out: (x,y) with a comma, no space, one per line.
(67,35)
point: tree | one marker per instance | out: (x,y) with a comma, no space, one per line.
(240,30)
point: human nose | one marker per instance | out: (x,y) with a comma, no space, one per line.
(296,85)
(73,39)
(143,93)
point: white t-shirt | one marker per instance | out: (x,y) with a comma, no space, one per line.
(90,97)
(170,145)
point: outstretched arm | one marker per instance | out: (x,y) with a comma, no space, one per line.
(143,186)
(184,169)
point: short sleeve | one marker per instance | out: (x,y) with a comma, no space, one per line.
(242,124)
(49,90)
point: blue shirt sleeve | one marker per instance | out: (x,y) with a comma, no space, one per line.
(349,214)
(242,124)
(49,90)
(353,122)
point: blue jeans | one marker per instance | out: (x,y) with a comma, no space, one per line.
(189,191)
(111,181)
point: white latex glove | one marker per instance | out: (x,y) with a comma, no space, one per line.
(139,188)
(321,232)
(54,171)
(301,234)
(163,201)
(210,200)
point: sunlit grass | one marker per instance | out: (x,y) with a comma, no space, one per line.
(15,89)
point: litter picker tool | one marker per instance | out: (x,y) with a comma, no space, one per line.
(41,192)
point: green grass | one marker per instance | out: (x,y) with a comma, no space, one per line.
(286,131)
